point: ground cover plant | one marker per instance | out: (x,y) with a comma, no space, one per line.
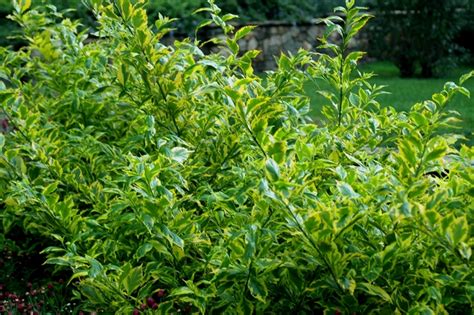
(167,180)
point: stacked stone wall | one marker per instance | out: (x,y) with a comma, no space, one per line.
(272,38)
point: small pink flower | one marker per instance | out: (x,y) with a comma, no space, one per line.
(150,301)
(4,124)
(160,293)
(20,307)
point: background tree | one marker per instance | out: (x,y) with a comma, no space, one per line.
(417,32)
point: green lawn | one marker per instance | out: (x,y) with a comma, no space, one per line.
(406,92)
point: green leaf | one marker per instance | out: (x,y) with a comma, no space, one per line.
(278,151)
(50,188)
(465,251)
(375,290)
(346,190)
(21,5)
(149,222)
(58,261)
(19,164)
(464,92)
(204,9)
(143,250)
(180,154)
(349,285)
(95,268)
(2,142)
(93,294)
(126,8)
(229,17)
(133,279)
(407,152)
(405,208)
(419,118)
(341,172)
(273,169)
(437,152)
(265,189)
(139,18)
(419,309)
(303,150)
(284,63)
(434,293)
(439,99)
(166,307)
(122,75)
(459,230)
(78,275)
(354,99)
(258,289)
(466,77)
(181,291)
(251,245)
(245,307)
(242,32)
(175,239)
(233,46)
(52,249)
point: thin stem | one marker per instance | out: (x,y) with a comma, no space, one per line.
(341,89)
(254,138)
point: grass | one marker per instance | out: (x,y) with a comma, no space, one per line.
(406,92)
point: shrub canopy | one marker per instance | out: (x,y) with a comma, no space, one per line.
(150,167)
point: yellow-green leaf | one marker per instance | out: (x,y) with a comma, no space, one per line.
(273,169)
(375,290)
(242,32)
(258,289)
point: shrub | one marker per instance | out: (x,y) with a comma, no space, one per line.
(10,30)
(169,180)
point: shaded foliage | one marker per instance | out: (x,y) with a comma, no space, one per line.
(420,32)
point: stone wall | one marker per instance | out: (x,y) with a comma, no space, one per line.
(273,38)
